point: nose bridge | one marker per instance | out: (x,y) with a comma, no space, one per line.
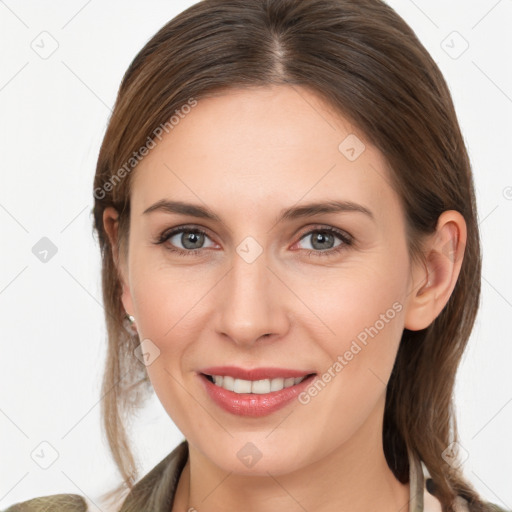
(250,306)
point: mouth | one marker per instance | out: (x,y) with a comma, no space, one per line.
(257,387)
(254,397)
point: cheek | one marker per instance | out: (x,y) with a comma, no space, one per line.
(172,304)
(360,300)
(362,318)
(168,303)
(367,323)
(166,297)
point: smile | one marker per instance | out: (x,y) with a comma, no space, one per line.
(257,392)
(259,387)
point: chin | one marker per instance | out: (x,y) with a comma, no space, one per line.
(254,455)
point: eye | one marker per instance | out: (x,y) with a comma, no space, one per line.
(323,241)
(191,239)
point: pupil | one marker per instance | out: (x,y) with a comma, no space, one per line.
(323,238)
(189,239)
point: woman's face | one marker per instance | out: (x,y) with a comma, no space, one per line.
(267,290)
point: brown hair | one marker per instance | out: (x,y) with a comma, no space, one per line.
(366,62)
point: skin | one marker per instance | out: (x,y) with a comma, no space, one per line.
(246,155)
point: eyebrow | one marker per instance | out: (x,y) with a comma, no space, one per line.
(295,212)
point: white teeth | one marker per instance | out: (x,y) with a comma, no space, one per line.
(258,387)
(242,386)
(228,383)
(276,384)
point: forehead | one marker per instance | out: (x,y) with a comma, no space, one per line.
(260,146)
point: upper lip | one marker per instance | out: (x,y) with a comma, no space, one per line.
(254,373)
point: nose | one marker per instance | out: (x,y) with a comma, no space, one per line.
(252,303)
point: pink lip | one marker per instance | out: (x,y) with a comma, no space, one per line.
(252,404)
(254,373)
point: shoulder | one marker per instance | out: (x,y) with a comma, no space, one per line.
(51,503)
(152,493)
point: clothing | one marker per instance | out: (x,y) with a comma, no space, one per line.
(155,491)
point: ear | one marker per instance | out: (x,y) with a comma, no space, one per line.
(433,283)
(111,224)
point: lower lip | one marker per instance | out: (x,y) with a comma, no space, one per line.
(252,404)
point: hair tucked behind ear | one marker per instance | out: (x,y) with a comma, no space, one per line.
(366,62)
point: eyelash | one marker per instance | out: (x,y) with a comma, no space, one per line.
(345,238)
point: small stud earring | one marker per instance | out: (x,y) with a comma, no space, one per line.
(129,325)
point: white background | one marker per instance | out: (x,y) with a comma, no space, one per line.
(53,114)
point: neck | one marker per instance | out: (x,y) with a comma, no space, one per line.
(353,477)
